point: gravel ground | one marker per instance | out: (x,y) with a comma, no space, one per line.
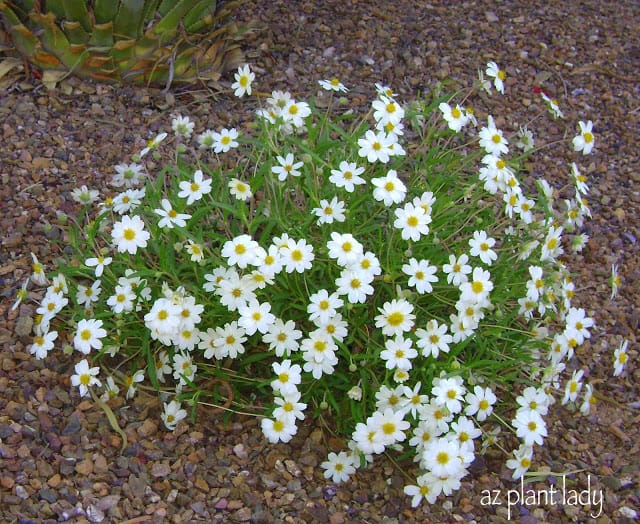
(59,460)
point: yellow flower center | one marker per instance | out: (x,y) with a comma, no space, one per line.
(456,113)
(442,458)
(388,428)
(129,234)
(85,334)
(395,319)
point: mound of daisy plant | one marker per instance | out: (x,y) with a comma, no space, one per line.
(393,277)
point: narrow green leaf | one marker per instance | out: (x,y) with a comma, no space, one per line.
(151,360)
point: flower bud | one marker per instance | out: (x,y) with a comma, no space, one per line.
(355,393)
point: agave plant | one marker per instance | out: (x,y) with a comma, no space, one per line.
(143,41)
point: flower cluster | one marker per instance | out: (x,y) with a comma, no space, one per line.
(341,271)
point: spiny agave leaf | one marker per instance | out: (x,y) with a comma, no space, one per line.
(12,18)
(77,11)
(102,35)
(105,11)
(24,39)
(218,14)
(129,19)
(167,27)
(77,50)
(186,40)
(99,62)
(104,75)
(53,38)
(46,60)
(22,8)
(75,32)
(203,9)
(123,51)
(165,6)
(150,9)
(52,6)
